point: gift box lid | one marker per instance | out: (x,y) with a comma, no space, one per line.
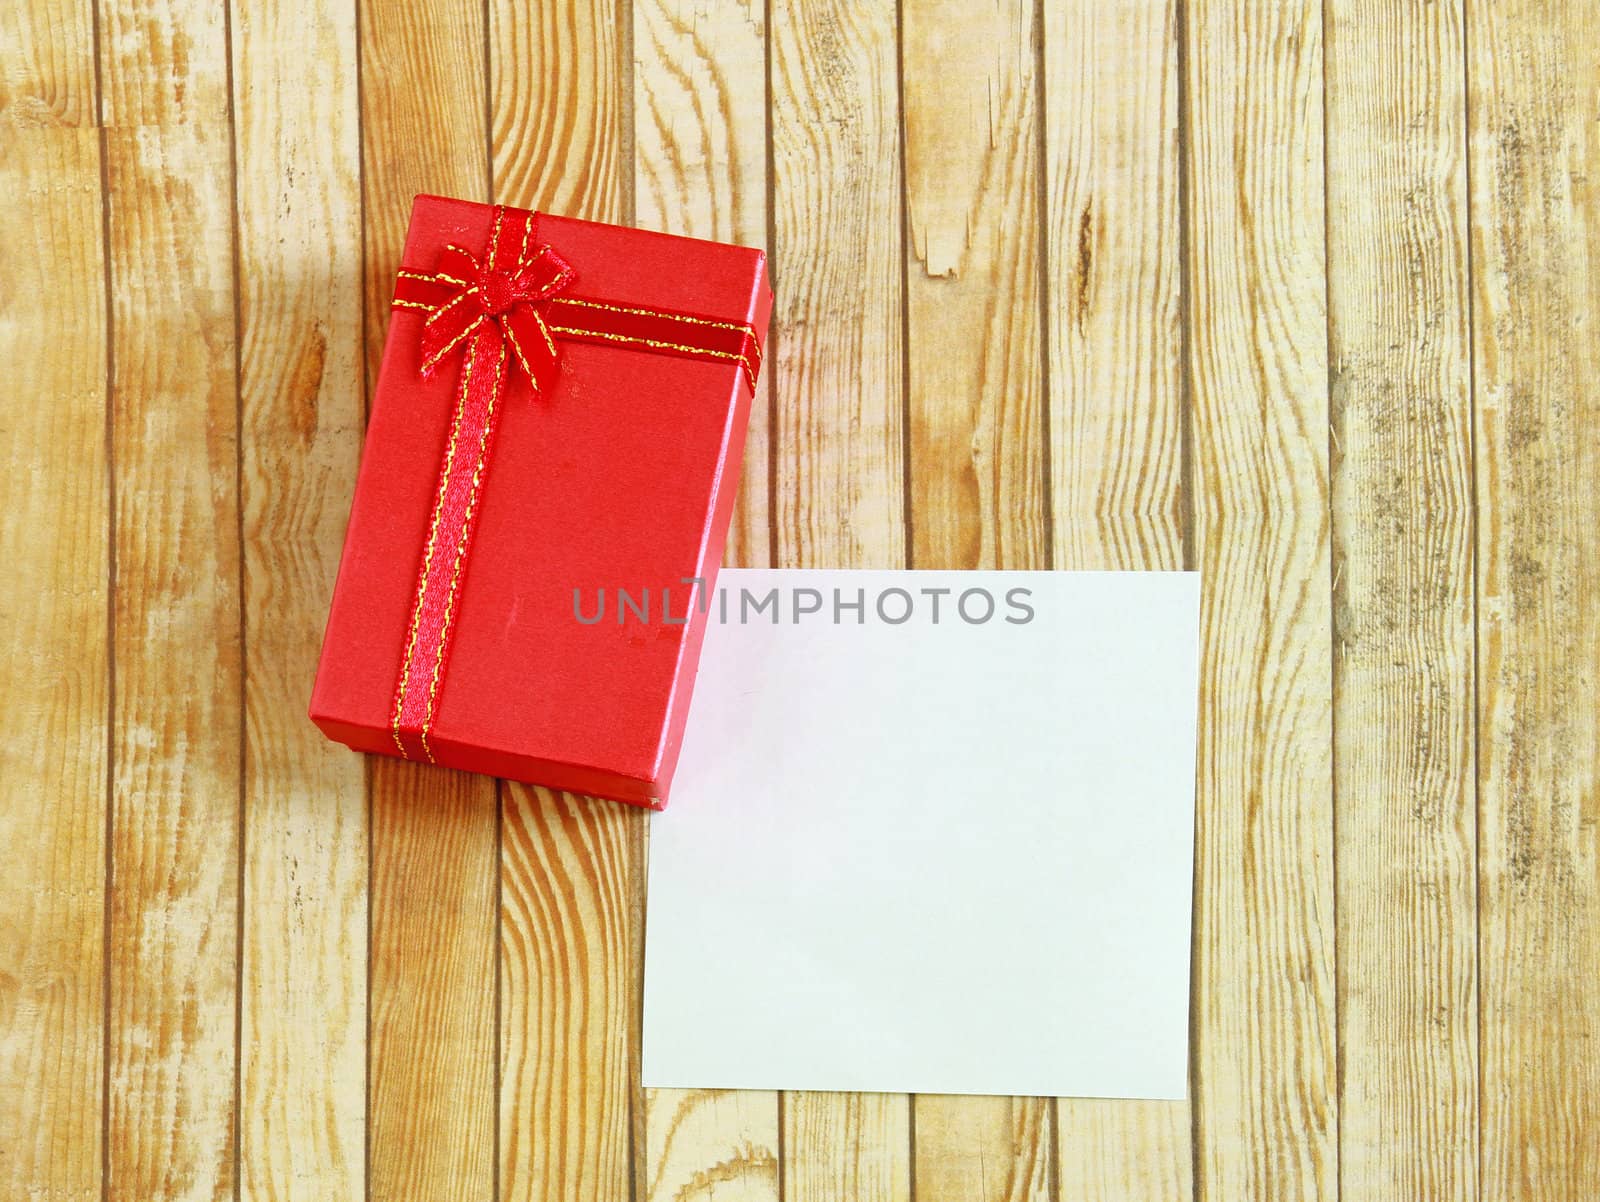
(573,627)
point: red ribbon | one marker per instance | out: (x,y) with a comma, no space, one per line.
(508,311)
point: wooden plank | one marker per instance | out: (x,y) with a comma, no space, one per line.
(1116,412)
(303,981)
(1264,1055)
(47,64)
(54,593)
(1535,172)
(422,130)
(982,1148)
(846,1145)
(163,63)
(975,406)
(836,356)
(172,950)
(975,391)
(700,169)
(431,976)
(1402,597)
(711,1143)
(1113,1149)
(430,1053)
(571,869)
(837,337)
(1115,363)
(174,838)
(569,882)
(558,102)
(175,850)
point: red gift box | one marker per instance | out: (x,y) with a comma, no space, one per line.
(551,459)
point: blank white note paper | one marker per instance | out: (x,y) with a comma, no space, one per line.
(931,856)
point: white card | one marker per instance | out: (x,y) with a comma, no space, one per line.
(925,856)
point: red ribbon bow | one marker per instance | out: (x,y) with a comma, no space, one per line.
(514,303)
(513,298)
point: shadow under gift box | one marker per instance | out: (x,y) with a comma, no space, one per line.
(619,477)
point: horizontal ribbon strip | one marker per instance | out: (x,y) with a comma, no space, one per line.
(509,311)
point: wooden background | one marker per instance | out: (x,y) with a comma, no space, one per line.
(1303,294)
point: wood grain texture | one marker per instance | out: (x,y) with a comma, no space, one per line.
(836,357)
(163,63)
(430,1096)
(174,901)
(974,383)
(435,835)
(47,64)
(1403,600)
(846,1145)
(836,354)
(700,169)
(975,406)
(176,652)
(422,129)
(1115,1149)
(1113,288)
(1535,169)
(982,1149)
(56,673)
(558,102)
(571,869)
(303,982)
(1264,1024)
(710,1145)
(175,806)
(1114,348)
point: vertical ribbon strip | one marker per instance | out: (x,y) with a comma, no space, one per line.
(506,311)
